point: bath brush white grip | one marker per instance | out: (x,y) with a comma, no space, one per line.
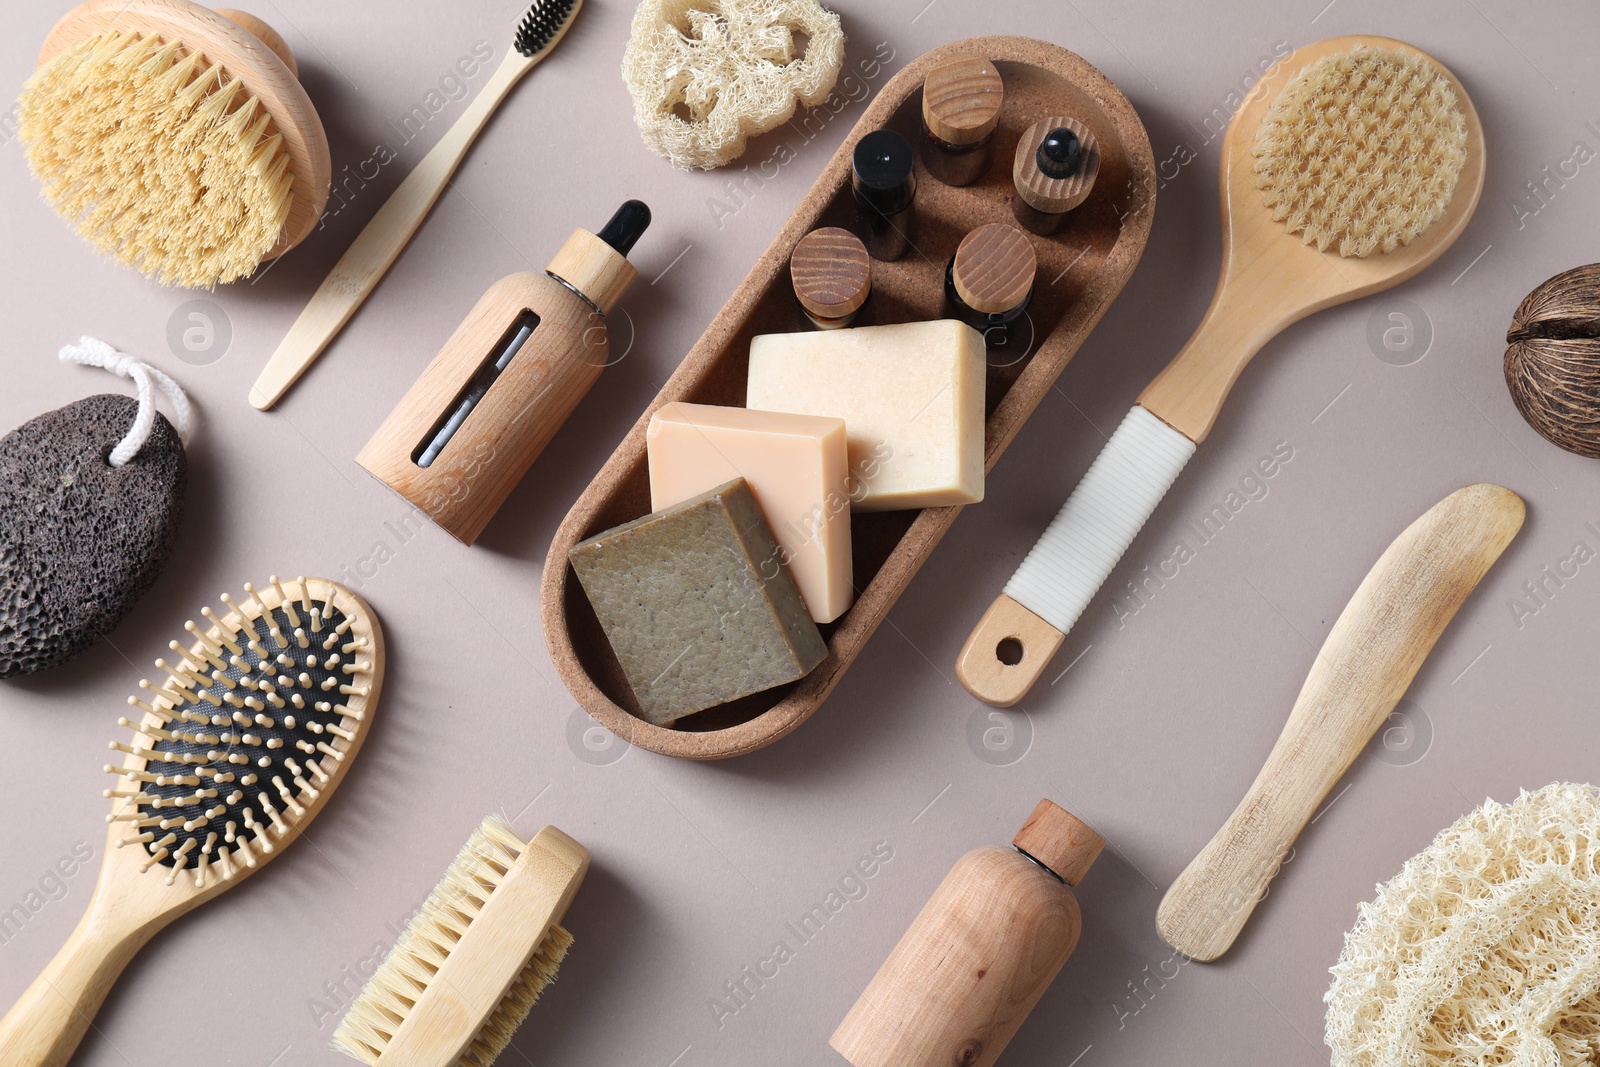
(1014,641)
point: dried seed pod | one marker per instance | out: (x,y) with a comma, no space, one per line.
(1552,360)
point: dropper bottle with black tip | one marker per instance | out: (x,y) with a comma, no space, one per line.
(1057,162)
(885,191)
(507,379)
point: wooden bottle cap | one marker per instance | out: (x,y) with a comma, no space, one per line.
(594,268)
(1059,840)
(832,272)
(994,268)
(1038,189)
(961,99)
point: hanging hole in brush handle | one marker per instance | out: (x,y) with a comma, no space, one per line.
(263,33)
(1072,559)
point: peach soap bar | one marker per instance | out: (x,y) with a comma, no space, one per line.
(910,395)
(794,464)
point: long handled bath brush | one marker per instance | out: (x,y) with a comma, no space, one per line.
(367,260)
(1353,166)
(175,138)
(236,752)
(465,973)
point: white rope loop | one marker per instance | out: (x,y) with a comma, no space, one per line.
(93,352)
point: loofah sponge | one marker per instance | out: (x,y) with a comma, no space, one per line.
(705,75)
(1485,949)
(156,159)
(1362,150)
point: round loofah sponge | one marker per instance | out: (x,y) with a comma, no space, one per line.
(1362,150)
(705,75)
(80,540)
(1485,949)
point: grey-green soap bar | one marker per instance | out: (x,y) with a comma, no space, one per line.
(698,605)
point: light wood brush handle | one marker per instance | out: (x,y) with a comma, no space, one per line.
(363,265)
(1365,665)
(45,1025)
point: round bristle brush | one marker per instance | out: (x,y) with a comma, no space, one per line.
(1354,164)
(175,138)
(463,976)
(235,752)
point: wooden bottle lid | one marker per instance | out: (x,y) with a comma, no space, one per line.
(1059,840)
(594,268)
(832,272)
(994,268)
(1038,189)
(961,99)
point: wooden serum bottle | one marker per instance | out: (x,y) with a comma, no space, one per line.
(1054,170)
(480,414)
(832,277)
(980,955)
(961,102)
(989,280)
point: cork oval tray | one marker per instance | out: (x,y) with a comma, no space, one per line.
(1082,268)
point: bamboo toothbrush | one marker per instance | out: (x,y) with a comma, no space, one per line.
(363,265)
(1352,166)
(463,976)
(1363,669)
(236,752)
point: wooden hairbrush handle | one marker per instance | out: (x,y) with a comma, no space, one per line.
(1365,665)
(46,1024)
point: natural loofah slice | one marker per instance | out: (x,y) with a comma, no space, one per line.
(1362,150)
(158,157)
(1485,949)
(705,75)
(80,540)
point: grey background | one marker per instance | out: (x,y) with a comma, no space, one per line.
(1152,735)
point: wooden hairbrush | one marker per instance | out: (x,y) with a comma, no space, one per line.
(1353,165)
(235,753)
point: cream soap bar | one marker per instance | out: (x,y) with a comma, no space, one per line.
(794,464)
(910,395)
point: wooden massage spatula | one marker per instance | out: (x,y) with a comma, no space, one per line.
(1362,671)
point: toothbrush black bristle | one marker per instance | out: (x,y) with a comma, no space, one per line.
(544,20)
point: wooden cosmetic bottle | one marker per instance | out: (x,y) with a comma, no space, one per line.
(980,955)
(480,414)
(1054,170)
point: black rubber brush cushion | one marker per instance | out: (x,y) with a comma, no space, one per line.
(80,540)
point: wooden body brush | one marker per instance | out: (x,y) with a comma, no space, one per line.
(465,973)
(1353,165)
(367,260)
(1365,666)
(175,138)
(236,752)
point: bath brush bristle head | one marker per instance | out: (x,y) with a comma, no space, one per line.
(422,957)
(250,731)
(160,158)
(1361,151)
